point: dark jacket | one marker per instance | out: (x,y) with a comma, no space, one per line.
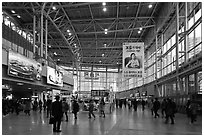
(57,109)
(156,105)
(170,108)
(75,107)
(91,107)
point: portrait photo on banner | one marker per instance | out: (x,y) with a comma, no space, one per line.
(133,61)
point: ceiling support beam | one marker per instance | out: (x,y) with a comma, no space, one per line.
(134,21)
(74,31)
(120,30)
(150,18)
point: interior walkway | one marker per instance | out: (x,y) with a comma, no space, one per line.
(120,122)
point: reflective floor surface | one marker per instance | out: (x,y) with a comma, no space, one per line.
(119,122)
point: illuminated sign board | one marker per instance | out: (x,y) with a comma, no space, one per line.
(54,77)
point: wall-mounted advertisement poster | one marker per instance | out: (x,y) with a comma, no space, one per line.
(54,77)
(20,66)
(133,60)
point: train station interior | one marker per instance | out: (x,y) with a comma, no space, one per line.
(117,68)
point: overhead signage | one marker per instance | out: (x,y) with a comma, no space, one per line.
(54,77)
(20,66)
(99,93)
(133,60)
(90,75)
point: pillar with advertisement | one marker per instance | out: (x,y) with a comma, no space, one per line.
(133,60)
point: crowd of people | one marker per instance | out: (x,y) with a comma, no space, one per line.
(167,106)
(59,108)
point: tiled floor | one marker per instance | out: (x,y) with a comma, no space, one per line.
(120,122)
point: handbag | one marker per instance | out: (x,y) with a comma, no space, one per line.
(51,120)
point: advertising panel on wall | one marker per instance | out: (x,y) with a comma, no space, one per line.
(20,66)
(54,77)
(133,60)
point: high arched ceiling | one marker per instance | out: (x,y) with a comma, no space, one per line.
(87,23)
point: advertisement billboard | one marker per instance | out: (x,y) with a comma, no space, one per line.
(54,77)
(133,60)
(20,66)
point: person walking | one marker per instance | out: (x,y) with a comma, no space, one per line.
(193,107)
(124,102)
(57,114)
(75,109)
(163,108)
(44,104)
(27,107)
(35,105)
(91,109)
(40,105)
(135,104)
(17,106)
(187,109)
(170,111)
(101,107)
(151,105)
(116,102)
(49,107)
(65,108)
(156,106)
(120,103)
(129,104)
(143,105)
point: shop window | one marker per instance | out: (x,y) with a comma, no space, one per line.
(191,83)
(183,85)
(198,34)
(199,81)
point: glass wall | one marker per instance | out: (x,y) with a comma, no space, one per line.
(98,79)
(166,51)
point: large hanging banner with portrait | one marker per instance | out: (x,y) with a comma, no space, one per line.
(22,67)
(133,60)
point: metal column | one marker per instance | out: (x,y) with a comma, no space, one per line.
(41,35)
(185,32)
(106,77)
(162,43)
(77,72)
(46,33)
(177,44)
(186,44)
(92,77)
(156,45)
(34,28)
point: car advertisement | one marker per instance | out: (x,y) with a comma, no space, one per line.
(54,77)
(20,66)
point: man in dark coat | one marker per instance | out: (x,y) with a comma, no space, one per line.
(170,110)
(75,107)
(49,104)
(143,105)
(156,106)
(57,114)
(135,104)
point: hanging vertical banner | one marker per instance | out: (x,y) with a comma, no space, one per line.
(133,60)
